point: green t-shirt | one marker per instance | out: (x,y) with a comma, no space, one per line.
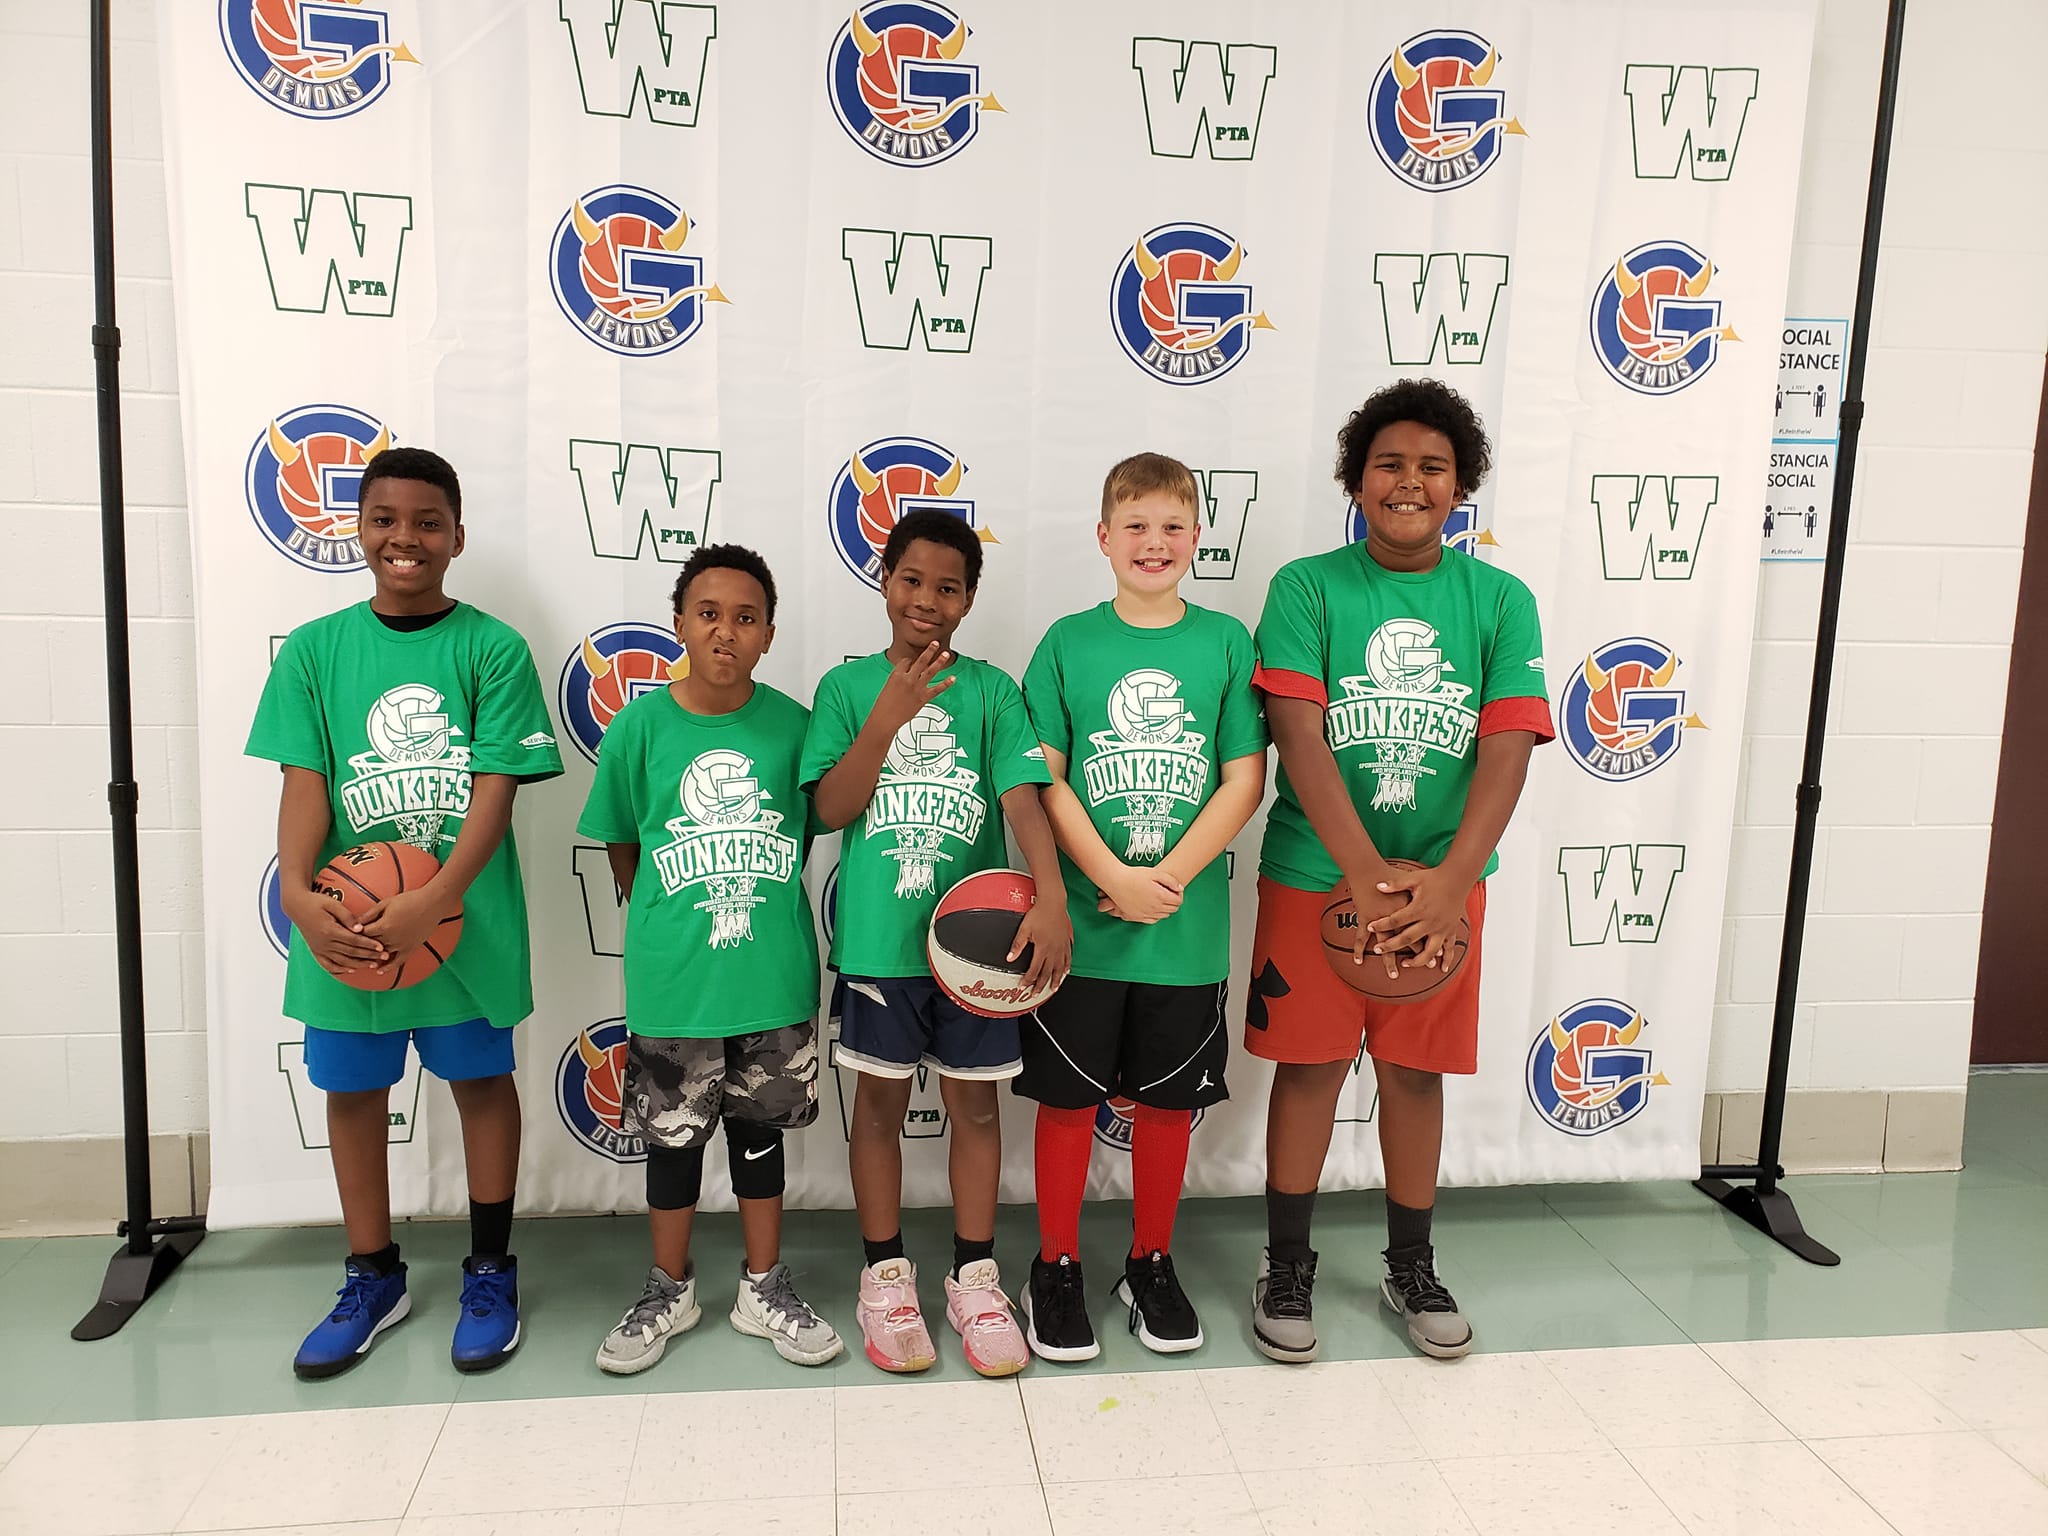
(397,721)
(719,935)
(934,818)
(1146,718)
(1404,661)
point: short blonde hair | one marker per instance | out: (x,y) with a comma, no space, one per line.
(1142,474)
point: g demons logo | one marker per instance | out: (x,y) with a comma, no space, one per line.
(1654,328)
(1176,305)
(880,483)
(1620,717)
(1588,1071)
(310,59)
(611,668)
(590,1086)
(1436,118)
(303,473)
(897,86)
(619,273)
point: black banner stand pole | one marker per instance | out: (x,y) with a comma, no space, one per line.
(1763,1204)
(154,1248)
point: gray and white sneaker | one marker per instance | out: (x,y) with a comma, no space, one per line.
(1283,1309)
(1434,1322)
(769,1308)
(665,1307)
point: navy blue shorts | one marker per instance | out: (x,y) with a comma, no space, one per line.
(355,1061)
(891,1025)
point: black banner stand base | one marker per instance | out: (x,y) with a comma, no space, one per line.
(133,1275)
(1770,1211)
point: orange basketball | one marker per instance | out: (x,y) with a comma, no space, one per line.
(277,29)
(600,266)
(298,484)
(374,872)
(1340,932)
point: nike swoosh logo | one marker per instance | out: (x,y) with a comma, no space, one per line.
(753,1153)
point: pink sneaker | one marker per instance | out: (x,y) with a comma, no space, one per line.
(891,1326)
(980,1314)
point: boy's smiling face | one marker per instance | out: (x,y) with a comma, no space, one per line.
(724,626)
(409,534)
(1150,541)
(926,595)
(1407,490)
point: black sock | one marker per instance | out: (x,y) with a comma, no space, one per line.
(966,1253)
(1407,1230)
(490,1228)
(1287,1223)
(383,1262)
(888,1248)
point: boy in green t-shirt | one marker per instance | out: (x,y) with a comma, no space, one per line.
(1404,683)
(409,718)
(912,750)
(1145,707)
(698,802)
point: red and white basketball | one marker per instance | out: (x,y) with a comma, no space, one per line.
(599,265)
(972,930)
(299,484)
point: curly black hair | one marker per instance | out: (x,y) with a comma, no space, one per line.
(413,464)
(725,557)
(939,528)
(1427,402)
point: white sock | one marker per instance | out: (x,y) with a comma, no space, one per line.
(757,1279)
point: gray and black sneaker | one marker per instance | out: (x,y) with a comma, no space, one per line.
(1434,1321)
(1284,1309)
(666,1307)
(1161,1315)
(771,1309)
(1056,1312)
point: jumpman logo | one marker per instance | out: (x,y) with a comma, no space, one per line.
(1204,1083)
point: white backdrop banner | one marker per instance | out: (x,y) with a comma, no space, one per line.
(653,273)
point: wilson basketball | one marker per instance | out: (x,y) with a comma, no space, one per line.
(374,872)
(972,930)
(1341,922)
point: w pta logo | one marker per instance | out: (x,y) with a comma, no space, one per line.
(915,285)
(897,84)
(1651,525)
(319,244)
(645,54)
(1203,94)
(1687,119)
(1227,497)
(635,494)
(1443,303)
(1619,893)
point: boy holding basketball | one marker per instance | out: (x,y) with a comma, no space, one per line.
(912,751)
(410,717)
(1152,732)
(1404,684)
(699,806)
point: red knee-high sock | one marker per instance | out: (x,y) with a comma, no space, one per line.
(1159,1162)
(1060,1152)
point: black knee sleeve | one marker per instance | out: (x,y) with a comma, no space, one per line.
(755,1152)
(674,1178)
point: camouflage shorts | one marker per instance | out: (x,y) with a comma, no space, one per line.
(678,1090)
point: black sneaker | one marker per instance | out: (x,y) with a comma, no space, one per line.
(1161,1315)
(1056,1312)
(1284,1309)
(1412,1289)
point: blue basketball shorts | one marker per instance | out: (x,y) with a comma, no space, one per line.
(354,1061)
(890,1026)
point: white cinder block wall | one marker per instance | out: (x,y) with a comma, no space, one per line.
(1954,384)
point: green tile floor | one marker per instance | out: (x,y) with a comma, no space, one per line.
(1552,1267)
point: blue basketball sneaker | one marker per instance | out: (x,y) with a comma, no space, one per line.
(369,1303)
(487,1329)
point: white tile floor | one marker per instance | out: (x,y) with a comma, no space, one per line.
(1930,1434)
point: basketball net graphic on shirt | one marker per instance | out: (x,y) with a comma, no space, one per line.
(1404,708)
(726,842)
(1149,759)
(924,796)
(413,776)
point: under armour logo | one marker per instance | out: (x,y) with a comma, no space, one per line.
(1268,983)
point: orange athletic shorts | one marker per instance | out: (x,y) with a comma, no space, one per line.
(1296,1008)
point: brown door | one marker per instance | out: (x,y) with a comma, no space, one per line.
(2011,1022)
